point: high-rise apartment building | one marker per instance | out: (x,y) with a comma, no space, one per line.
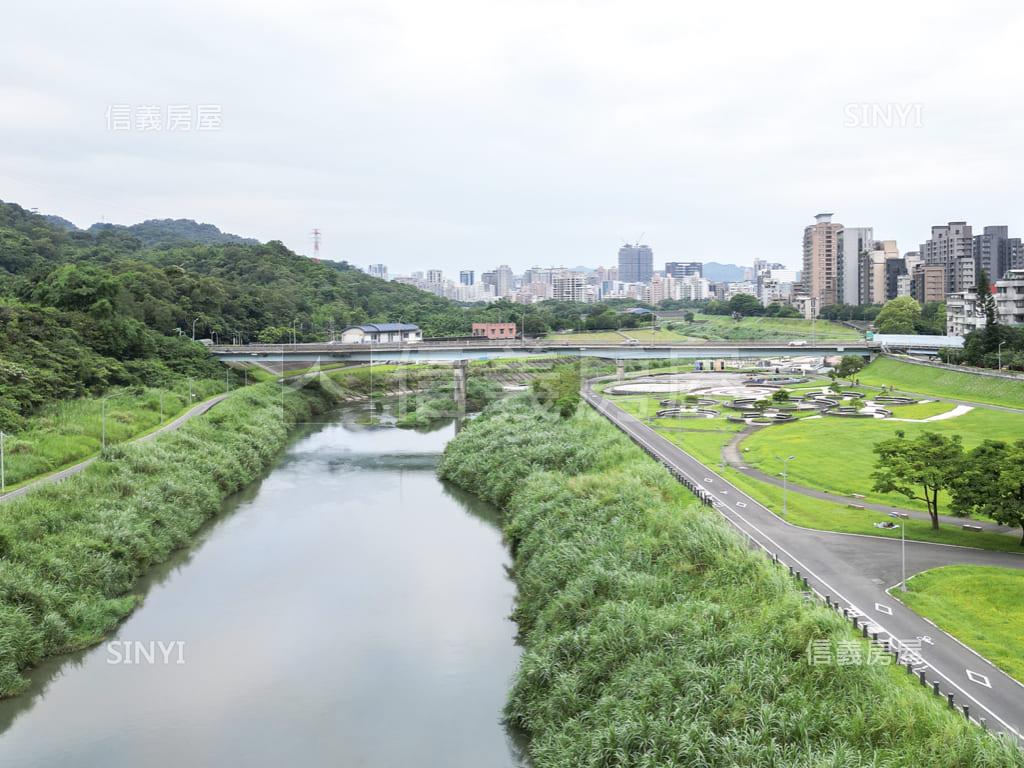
(568,286)
(684,268)
(853,241)
(467,277)
(378,270)
(951,246)
(820,276)
(636,263)
(435,276)
(992,252)
(929,283)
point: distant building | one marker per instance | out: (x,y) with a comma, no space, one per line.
(951,246)
(1010,298)
(992,252)
(378,270)
(568,286)
(679,269)
(467,277)
(820,275)
(963,314)
(929,283)
(636,263)
(382,333)
(495,330)
(852,243)
(435,276)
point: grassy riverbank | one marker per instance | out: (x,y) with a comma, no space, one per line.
(71,553)
(941,382)
(654,637)
(979,605)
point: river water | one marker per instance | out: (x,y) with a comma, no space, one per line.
(348,610)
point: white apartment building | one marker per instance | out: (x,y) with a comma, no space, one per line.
(1010,298)
(963,314)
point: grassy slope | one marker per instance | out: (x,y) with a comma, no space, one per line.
(654,637)
(924,380)
(921,410)
(70,553)
(980,606)
(68,431)
(764,328)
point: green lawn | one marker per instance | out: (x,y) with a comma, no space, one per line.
(980,606)
(925,380)
(921,410)
(588,336)
(836,455)
(66,432)
(724,328)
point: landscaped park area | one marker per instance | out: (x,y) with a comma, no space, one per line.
(752,427)
(720,328)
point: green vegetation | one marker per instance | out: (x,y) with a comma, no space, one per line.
(559,389)
(66,432)
(725,328)
(70,553)
(921,410)
(918,468)
(989,481)
(654,636)
(978,605)
(937,382)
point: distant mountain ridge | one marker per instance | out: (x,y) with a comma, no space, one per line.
(175,232)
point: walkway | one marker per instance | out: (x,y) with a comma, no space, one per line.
(74,469)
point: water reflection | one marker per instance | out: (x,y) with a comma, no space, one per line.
(349,609)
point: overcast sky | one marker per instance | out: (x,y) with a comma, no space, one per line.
(468,134)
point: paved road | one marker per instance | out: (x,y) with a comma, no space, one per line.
(63,474)
(855,572)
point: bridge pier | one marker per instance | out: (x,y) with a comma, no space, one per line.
(459,368)
(620,369)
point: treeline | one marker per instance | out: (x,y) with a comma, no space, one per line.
(653,635)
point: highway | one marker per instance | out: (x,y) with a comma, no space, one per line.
(855,573)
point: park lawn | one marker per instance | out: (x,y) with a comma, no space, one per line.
(836,455)
(979,605)
(921,410)
(66,432)
(724,328)
(825,516)
(938,382)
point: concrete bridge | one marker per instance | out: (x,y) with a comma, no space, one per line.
(482,349)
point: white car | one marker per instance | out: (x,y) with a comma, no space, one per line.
(798,343)
(631,343)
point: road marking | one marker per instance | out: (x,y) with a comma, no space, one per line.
(741,504)
(926,639)
(708,480)
(980,679)
(883,609)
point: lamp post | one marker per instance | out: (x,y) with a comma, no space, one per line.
(903,555)
(785,481)
(293,330)
(194,327)
(999,351)
(3,474)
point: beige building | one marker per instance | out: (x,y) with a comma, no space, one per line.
(821,261)
(929,283)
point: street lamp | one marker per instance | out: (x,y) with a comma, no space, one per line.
(999,351)
(785,481)
(194,327)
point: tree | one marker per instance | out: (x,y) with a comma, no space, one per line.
(900,315)
(986,301)
(991,483)
(780,396)
(919,468)
(849,365)
(688,317)
(746,305)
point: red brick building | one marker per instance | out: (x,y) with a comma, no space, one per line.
(495,330)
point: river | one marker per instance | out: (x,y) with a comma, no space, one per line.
(350,609)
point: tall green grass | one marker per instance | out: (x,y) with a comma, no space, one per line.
(71,553)
(67,431)
(654,637)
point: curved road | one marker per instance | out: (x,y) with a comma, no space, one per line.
(74,469)
(854,572)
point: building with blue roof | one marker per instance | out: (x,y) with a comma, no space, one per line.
(382,333)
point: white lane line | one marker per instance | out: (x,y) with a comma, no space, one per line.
(883,609)
(977,677)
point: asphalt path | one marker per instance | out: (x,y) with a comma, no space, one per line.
(74,469)
(855,574)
